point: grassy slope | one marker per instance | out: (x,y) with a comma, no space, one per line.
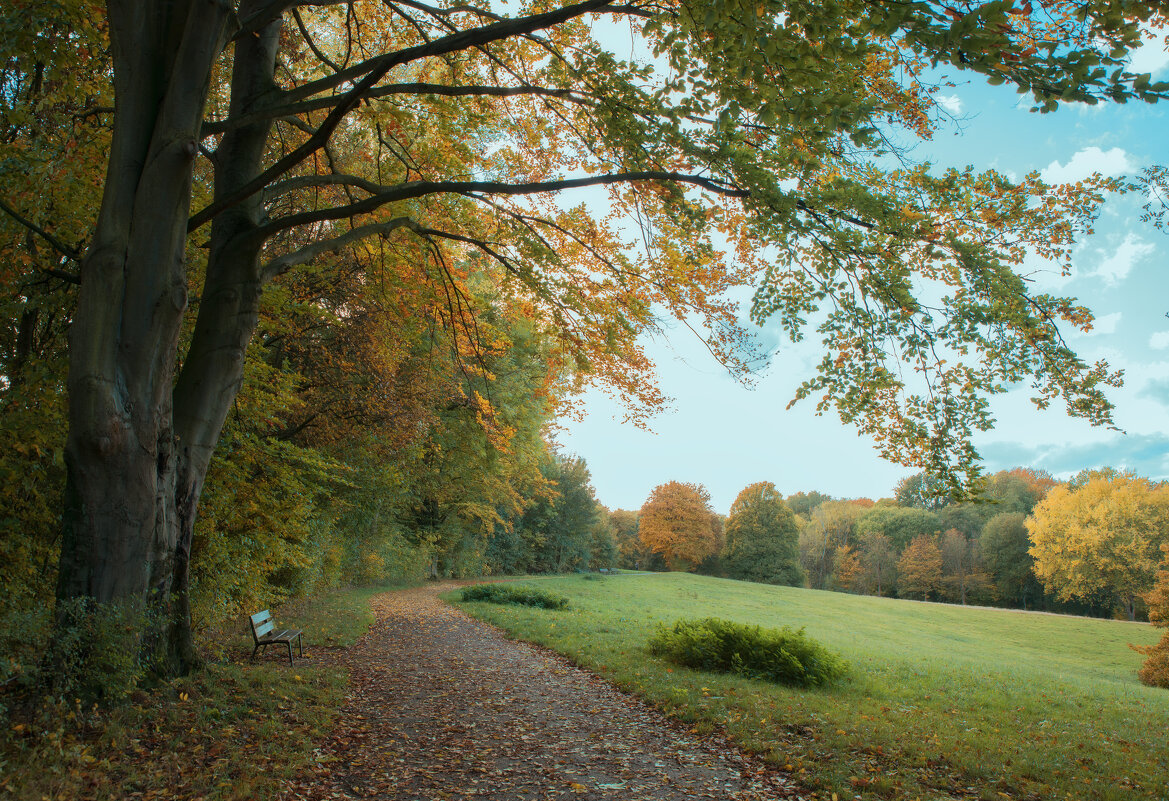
(943,701)
(233,730)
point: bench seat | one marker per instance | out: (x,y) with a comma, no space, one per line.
(264,633)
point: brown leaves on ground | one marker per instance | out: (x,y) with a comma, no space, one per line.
(443,707)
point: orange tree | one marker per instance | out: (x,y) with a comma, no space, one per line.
(251,137)
(919,569)
(677,522)
(1155,671)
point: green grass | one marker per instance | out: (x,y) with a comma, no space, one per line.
(941,701)
(233,730)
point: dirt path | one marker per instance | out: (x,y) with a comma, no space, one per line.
(444,707)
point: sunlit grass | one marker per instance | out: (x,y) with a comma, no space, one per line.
(941,701)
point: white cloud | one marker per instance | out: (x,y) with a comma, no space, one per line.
(1151,56)
(1159,340)
(1116,267)
(1085,162)
(951,103)
(1105,324)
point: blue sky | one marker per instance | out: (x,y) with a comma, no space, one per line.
(725,436)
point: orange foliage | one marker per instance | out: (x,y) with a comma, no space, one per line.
(678,523)
(1039,482)
(920,566)
(849,571)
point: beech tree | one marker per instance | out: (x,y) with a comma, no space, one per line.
(677,522)
(252,136)
(762,541)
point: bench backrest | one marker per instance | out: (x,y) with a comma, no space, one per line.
(261,623)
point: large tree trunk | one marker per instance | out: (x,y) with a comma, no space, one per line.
(121,521)
(230,304)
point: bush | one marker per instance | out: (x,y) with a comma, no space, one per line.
(1155,671)
(512,594)
(784,656)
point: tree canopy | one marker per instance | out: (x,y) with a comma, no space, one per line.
(1101,537)
(762,540)
(919,570)
(677,522)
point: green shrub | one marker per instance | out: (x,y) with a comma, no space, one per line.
(784,656)
(512,594)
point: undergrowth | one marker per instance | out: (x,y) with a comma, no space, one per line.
(784,656)
(233,730)
(513,594)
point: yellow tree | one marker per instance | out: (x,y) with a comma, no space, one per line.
(1101,538)
(677,522)
(920,566)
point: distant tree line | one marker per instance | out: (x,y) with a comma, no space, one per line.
(1088,546)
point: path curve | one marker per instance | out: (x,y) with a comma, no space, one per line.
(441,706)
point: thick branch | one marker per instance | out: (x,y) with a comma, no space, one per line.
(221,126)
(282,264)
(314,181)
(416,189)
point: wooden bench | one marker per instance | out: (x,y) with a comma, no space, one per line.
(264,633)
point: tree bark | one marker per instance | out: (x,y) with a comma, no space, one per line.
(121,519)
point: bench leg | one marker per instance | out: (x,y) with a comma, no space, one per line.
(289,644)
(255,651)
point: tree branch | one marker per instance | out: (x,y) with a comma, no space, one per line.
(415,189)
(376,69)
(282,264)
(212,128)
(70,253)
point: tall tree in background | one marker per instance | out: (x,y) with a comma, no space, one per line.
(830,527)
(803,504)
(293,129)
(919,570)
(677,522)
(632,552)
(922,491)
(762,541)
(879,559)
(850,573)
(961,572)
(1101,536)
(1005,550)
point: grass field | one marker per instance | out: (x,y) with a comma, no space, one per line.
(942,701)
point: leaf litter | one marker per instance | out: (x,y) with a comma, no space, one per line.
(441,706)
